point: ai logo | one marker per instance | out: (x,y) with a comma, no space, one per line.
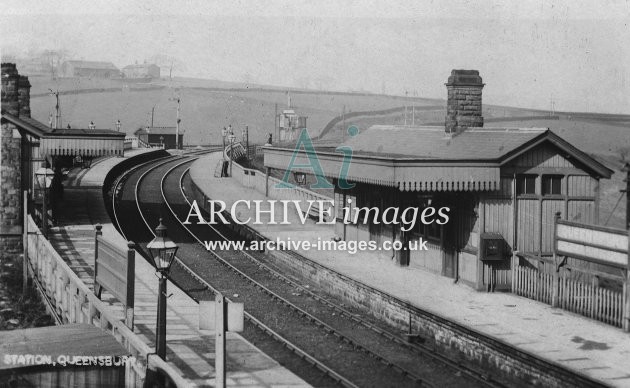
(315,166)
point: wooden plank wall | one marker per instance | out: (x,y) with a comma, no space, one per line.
(528,237)
(535,212)
(549,209)
(544,155)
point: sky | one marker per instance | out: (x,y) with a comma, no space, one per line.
(528,52)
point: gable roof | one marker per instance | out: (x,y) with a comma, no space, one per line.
(140,66)
(434,144)
(426,158)
(40,130)
(475,144)
(100,65)
(70,142)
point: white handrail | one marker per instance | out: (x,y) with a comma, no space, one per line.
(76,303)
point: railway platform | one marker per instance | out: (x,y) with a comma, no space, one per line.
(559,337)
(189,350)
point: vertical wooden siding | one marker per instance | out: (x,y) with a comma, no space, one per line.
(468,267)
(500,218)
(581,211)
(544,155)
(581,186)
(528,234)
(549,209)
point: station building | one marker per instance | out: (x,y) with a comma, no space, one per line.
(164,137)
(28,145)
(503,187)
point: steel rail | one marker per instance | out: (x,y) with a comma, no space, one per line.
(343,337)
(424,350)
(267,330)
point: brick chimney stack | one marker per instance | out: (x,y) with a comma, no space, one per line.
(11,160)
(24,96)
(10,78)
(463,108)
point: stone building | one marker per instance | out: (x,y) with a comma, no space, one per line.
(15,101)
(142,71)
(93,69)
(27,145)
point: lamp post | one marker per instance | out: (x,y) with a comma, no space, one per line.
(162,251)
(231,137)
(162,141)
(246,141)
(43,177)
(92,125)
(224,133)
(118,125)
(626,168)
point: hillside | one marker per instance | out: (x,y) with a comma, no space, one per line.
(208,105)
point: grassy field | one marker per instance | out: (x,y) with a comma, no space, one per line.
(206,106)
(209,105)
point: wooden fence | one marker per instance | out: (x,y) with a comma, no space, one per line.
(71,301)
(594,245)
(533,284)
(590,300)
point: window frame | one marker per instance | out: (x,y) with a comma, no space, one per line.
(544,185)
(521,182)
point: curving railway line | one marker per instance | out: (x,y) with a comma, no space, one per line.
(306,330)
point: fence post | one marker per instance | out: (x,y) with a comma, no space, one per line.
(131,279)
(99,232)
(514,265)
(25,245)
(626,288)
(556,269)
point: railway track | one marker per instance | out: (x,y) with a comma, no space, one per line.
(342,343)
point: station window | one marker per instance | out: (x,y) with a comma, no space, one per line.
(526,184)
(552,184)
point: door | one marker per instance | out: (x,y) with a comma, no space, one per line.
(449,250)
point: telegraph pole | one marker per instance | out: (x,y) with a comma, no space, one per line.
(177,123)
(626,168)
(58,115)
(276,123)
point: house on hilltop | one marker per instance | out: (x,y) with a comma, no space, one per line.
(90,69)
(145,70)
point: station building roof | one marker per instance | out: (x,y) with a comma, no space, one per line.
(70,141)
(98,65)
(427,158)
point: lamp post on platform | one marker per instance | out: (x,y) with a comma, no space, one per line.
(224,133)
(118,125)
(246,141)
(44,177)
(231,137)
(162,251)
(626,168)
